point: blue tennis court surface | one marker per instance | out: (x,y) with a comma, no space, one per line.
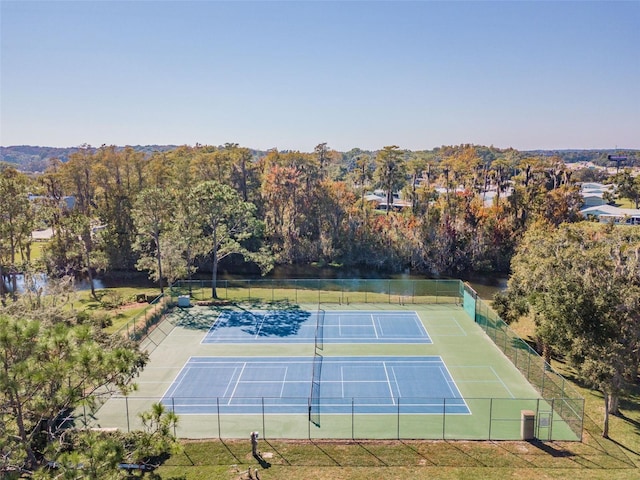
(301,326)
(282,385)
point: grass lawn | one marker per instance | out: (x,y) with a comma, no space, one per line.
(331,460)
(625,203)
(118,303)
(35,253)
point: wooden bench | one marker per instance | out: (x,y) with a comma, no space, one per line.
(132,467)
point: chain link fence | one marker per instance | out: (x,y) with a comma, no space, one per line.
(559,413)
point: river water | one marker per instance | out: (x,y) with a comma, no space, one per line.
(485,285)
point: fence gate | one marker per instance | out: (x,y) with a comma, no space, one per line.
(545,419)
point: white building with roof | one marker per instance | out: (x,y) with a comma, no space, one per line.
(611,214)
(594,193)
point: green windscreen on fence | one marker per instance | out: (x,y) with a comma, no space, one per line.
(469,301)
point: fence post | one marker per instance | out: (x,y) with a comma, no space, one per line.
(308,406)
(264,430)
(218,411)
(490,415)
(444,418)
(352,419)
(398,418)
(553,401)
(505,341)
(126,406)
(536,425)
(173,409)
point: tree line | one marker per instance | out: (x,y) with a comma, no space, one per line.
(170,213)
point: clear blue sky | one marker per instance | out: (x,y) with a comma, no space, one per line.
(291,75)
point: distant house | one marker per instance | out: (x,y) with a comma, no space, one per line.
(594,193)
(611,214)
(67,202)
(595,186)
(379,201)
(593,200)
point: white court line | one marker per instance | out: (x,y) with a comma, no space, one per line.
(421,328)
(216,323)
(342,380)
(235,369)
(264,317)
(324,382)
(464,334)
(382,334)
(461,397)
(284,381)
(503,384)
(384,364)
(373,322)
(184,367)
(448,382)
(237,382)
(175,387)
(395,379)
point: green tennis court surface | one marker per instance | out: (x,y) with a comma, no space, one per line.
(362,371)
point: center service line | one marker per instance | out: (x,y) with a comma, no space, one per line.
(237,382)
(384,364)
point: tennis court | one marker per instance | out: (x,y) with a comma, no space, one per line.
(282,384)
(301,326)
(396,368)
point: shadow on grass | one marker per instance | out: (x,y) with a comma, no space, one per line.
(382,462)
(276,450)
(263,463)
(235,457)
(326,454)
(593,455)
(551,450)
(417,452)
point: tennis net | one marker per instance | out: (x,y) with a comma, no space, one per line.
(314,397)
(319,329)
